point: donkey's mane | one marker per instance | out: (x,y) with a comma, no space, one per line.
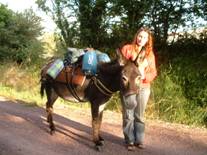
(111,67)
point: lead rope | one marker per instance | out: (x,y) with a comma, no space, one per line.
(141,55)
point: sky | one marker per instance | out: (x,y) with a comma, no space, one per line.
(21,5)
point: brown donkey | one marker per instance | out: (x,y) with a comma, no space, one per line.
(117,75)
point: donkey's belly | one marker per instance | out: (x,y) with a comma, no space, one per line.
(68,93)
(71,98)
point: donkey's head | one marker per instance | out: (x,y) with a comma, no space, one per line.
(130,75)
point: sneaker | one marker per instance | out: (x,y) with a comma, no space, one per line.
(140,146)
(130,147)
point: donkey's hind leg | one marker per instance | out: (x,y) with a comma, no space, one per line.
(51,98)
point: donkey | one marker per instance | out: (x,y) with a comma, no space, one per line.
(118,75)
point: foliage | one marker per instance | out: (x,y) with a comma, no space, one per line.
(63,13)
(18,36)
(21,83)
(171,102)
(108,24)
(181,87)
(129,17)
(91,17)
(6,22)
(61,48)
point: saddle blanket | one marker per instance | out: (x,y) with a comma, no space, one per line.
(55,68)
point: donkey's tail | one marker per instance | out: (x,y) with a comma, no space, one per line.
(42,87)
(44,80)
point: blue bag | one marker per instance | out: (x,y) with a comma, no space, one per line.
(89,65)
(55,68)
(103,57)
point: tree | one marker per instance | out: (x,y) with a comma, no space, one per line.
(18,36)
(131,14)
(78,20)
(91,15)
(200,8)
(6,22)
(64,14)
(168,17)
(106,24)
(165,16)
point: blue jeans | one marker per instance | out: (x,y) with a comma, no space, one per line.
(133,115)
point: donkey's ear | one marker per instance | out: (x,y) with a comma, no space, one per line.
(121,59)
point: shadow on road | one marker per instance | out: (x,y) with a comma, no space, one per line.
(68,127)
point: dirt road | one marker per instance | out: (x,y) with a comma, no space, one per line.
(24,131)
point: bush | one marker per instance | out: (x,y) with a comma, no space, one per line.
(18,36)
(181,87)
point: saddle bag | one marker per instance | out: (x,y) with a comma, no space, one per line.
(72,55)
(71,75)
(103,57)
(89,64)
(55,68)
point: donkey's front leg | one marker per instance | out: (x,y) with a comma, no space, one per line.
(97,113)
(100,122)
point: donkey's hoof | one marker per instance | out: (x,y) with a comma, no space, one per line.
(98,148)
(52,132)
(101,142)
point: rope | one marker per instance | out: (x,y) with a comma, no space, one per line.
(103,90)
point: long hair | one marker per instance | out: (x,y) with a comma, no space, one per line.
(149,45)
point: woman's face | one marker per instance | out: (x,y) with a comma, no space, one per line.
(142,38)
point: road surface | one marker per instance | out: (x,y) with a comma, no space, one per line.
(24,131)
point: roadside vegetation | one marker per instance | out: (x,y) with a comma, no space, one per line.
(179,93)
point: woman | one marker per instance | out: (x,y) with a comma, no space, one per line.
(140,50)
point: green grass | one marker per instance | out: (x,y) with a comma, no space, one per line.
(171,102)
(19,82)
(168,100)
(22,83)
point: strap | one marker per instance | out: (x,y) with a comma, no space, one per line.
(140,56)
(101,87)
(74,90)
(71,88)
